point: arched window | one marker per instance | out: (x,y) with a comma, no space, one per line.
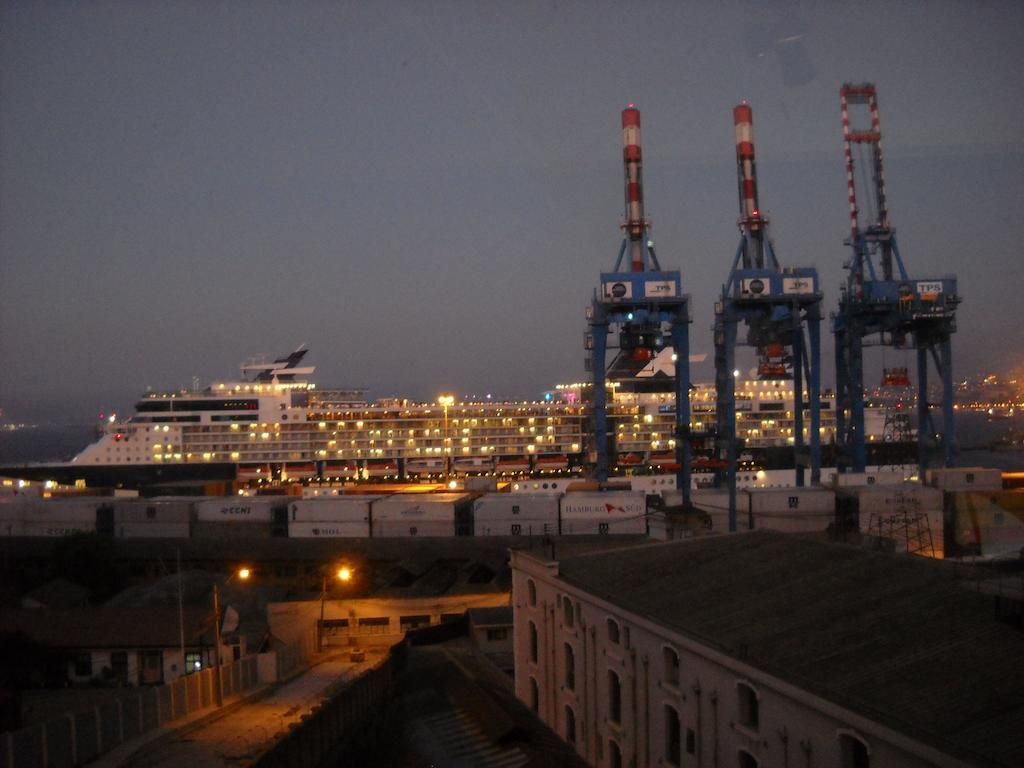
(673,749)
(614,698)
(613,631)
(570,725)
(614,754)
(570,668)
(749,714)
(747,760)
(853,752)
(671,661)
(533,642)
(567,611)
(534,695)
(531,592)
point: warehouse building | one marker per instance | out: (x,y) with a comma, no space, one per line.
(767,649)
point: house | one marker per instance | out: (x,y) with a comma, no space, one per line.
(766,649)
(118,645)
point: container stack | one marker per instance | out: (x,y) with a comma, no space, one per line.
(334,517)
(520,514)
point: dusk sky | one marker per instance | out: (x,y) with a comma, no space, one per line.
(425,192)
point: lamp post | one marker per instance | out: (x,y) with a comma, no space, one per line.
(218,690)
(445,401)
(343,574)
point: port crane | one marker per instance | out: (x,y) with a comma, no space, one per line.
(647,307)
(777,305)
(880,305)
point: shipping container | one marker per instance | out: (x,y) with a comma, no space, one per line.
(353,529)
(609,512)
(556,486)
(234,529)
(334,509)
(966,479)
(412,514)
(239,508)
(171,511)
(152,530)
(81,510)
(56,527)
(504,514)
(987,524)
(790,509)
(653,483)
(413,526)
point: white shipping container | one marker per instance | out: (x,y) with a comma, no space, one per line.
(56,527)
(610,512)
(413,527)
(515,527)
(790,509)
(966,479)
(903,497)
(64,510)
(153,511)
(653,483)
(336,509)
(238,508)
(152,530)
(520,506)
(352,529)
(418,506)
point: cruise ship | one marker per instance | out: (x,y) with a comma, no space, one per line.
(273,424)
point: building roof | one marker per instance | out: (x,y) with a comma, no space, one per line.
(57,593)
(111,627)
(898,639)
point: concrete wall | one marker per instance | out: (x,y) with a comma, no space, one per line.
(291,620)
(705,694)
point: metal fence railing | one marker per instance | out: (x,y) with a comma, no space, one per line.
(77,737)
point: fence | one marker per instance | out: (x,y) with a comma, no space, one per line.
(77,737)
(325,731)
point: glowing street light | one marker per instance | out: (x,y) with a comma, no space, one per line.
(218,688)
(344,575)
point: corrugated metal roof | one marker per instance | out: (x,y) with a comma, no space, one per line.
(897,638)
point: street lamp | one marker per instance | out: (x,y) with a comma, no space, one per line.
(218,690)
(344,575)
(445,401)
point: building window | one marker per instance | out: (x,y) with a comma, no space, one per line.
(671,661)
(83,665)
(570,668)
(747,760)
(193,662)
(614,698)
(570,725)
(494,635)
(534,695)
(614,755)
(672,731)
(531,592)
(749,714)
(691,741)
(119,665)
(533,642)
(613,631)
(853,753)
(568,615)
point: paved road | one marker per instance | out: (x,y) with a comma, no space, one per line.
(240,736)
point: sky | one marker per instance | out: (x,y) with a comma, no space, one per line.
(425,193)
